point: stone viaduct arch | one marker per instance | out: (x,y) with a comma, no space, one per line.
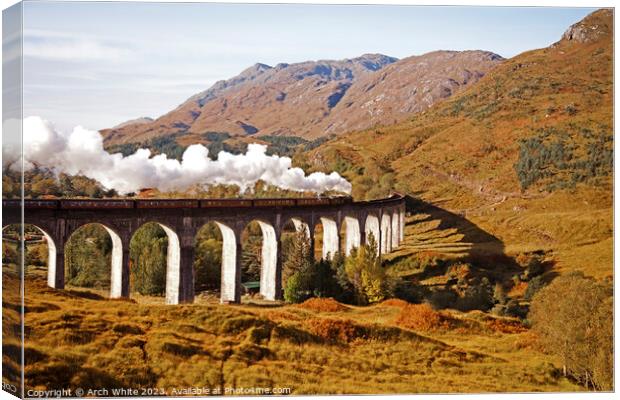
(352,234)
(372,228)
(182,218)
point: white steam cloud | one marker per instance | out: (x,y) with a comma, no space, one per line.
(81,152)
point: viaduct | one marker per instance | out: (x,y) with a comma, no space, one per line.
(182,218)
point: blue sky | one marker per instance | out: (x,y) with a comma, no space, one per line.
(99,64)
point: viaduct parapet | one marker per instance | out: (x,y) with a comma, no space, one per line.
(181,219)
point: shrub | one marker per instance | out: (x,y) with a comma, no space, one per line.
(502,326)
(476,297)
(409,291)
(601,334)
(395,303)
(9,253)
(323,305)
(420,317)
(514,309)
(36,255)
(499,294)
(366,274)
(440,299)
(344,291)
(297,287)
(534,286)
(573,318)
(570,109)
(335,330)
(323,280)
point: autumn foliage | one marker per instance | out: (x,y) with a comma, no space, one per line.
(421,317)
(335,329)
(323,305)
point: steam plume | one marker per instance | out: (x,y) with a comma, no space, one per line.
(81,152)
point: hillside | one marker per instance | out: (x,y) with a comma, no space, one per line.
(525,154)
(80,339)
(313,99)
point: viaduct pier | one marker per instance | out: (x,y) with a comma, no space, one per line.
(181,219)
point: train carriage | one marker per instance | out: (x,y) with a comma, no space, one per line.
(73,204)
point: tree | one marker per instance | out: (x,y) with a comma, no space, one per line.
(601,335)
(251,256)
(45,186)
(297,287)
(88,256)
(366,274)
(572,317)
(36,254)
(148,254)
(302,277)
(344,289)
(298,256)
(66,186)
(324,282)
(208,258)
(297,269)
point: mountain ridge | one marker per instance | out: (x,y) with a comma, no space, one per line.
(307,99)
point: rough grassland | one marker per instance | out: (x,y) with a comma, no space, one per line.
(76,338)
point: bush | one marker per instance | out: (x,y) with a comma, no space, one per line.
(366,274)
(409,292)
(323,280)
(420,317)
(534,286)
(478,297)
(344,290)
(441,299)
(36,254)
(323,305)
(499,294)
(297,287)
(9,253)
(573,317)
(336,330)
(514,309)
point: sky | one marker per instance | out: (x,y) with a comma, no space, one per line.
(100,64)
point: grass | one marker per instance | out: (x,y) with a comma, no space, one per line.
(318,347)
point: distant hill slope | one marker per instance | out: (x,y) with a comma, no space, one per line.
(526,152)
(313,99)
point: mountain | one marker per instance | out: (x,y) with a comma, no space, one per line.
(408,86)
(316,98)
(525,154)
(136,121)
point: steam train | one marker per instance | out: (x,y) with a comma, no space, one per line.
(68,204)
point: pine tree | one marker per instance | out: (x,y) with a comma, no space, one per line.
(298,256)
